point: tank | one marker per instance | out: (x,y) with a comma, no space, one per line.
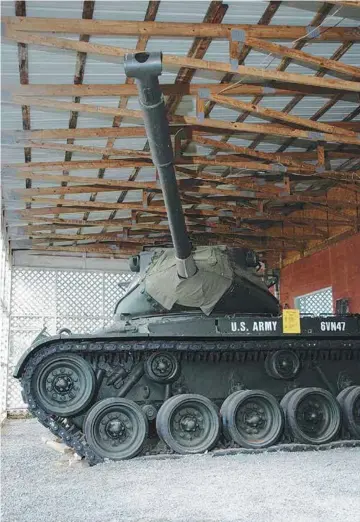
(198,356)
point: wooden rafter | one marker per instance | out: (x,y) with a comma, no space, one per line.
(286,202)
(174,29)
(177,89)
(134,132)
(23,58)
(193,63)
(276,130)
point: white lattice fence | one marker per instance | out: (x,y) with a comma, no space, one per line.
(5,281)
(82,301)
(316,303)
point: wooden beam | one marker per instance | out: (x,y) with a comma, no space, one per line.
(268,156)
(113,250)
(279,115)
(226,210)
(97,182)
(203,181)
(23,61)
(176,29)
(147,223)
(292,221)
(142,162)
(302,57)
(41,231)
(139,228)
(130,132)
(131,185)
(110,151)
(179,89)
(259,244)
(346,3)
(215,202)
(276,130)
(193,63)
(119,236)
(141,44)
(337,55)
(305,170)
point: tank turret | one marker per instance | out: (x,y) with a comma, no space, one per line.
(182,279)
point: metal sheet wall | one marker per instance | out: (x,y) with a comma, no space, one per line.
(82,301)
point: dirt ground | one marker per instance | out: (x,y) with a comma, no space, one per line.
(38,485)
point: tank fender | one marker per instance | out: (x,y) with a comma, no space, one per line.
(34,347)
(118,326)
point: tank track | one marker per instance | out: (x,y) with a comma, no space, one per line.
(99,352)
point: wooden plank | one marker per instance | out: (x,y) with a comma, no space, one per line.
(302,57)
(339,52)
(141,162)
(214,15)
(104,184)
(317,21)
(89,249)
(130,132)
(98,182)
(156,208)
(116,236)
(275,130)
(268,156)
(193,160)
(262,244)
(346,3)
(81,57)
(292,221)
(193,63)
(89,189)
(23,60)
(138,229)
(179,89)
(308,170)
(45,223)
(110,151)
(177,29)
(141,44)
(278,115)
(215,202)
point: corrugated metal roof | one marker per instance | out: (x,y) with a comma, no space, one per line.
(53,66)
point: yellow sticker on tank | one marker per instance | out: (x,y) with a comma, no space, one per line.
(291,321)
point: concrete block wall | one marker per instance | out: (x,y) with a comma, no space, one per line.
(337,266)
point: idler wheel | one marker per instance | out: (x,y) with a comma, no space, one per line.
(116,428)
(351,411)
(162,367)
(188,423)
(282,364)
(252,418)
(64,384)
(313,415)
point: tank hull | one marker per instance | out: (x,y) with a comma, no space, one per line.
(239,354)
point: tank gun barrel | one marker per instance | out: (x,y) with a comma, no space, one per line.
(146,68)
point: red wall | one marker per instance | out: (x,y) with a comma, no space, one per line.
(337,266)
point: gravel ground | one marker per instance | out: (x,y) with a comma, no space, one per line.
(38,485)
